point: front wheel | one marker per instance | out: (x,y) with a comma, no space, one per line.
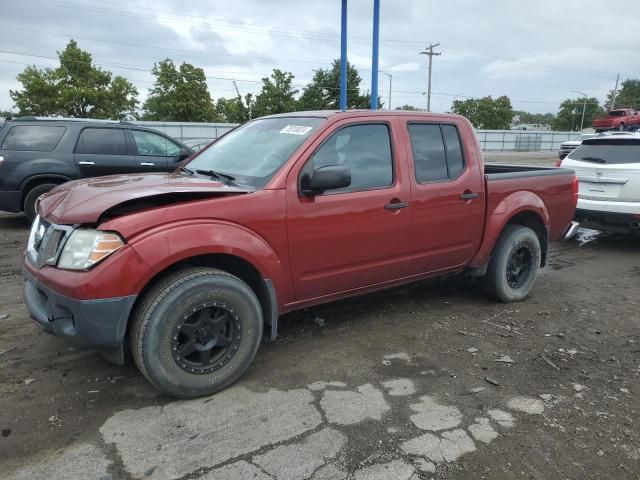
(514,264)
(196,332)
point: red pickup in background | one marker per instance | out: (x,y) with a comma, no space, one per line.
(189,270)
(620,119)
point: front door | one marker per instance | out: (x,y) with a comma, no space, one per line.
(447,204)
(154,152)
(355,236)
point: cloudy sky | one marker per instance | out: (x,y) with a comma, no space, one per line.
(536,52)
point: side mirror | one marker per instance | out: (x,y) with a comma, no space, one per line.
(329,177)
(184,153)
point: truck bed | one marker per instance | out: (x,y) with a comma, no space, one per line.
(501,171)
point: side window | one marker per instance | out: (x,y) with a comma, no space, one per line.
(364,149)
(455,160)
(437,152)
(429,157)
(151,144)
(38,138)
(102,141)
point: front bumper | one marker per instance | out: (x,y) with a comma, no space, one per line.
(96,324)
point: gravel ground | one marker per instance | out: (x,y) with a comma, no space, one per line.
(431,380)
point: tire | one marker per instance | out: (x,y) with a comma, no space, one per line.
(505,281)
(169,319)
(621,127)
(29,204)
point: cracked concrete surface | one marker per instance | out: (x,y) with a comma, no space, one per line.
(295,434)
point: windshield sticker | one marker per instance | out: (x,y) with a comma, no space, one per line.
(296,130)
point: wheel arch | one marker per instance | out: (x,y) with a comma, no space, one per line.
(234,265)
(40,179)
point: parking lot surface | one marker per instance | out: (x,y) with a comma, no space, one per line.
(431,380)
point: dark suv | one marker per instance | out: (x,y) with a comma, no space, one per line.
(36,155)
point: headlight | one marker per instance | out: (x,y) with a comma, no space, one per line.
(85,248)
(35,237)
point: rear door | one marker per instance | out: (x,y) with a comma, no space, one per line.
(154,152)
(608,170)
(447,204)
(103,151)
(359,235)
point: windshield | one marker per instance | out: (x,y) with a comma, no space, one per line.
(614,152)
(254,152)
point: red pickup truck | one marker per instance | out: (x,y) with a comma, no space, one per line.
(191,269)
(620,119)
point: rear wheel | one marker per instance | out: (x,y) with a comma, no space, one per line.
(29,204)
(196,332)
(514,264)
(621,127)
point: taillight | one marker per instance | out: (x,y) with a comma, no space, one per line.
(576,188)
(559,162)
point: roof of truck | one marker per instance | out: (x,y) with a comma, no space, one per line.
(357,113)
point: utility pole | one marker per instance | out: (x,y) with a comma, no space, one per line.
(390,80)
(584,106)
(343,57)
(615,94)
(374,54)
(429,51)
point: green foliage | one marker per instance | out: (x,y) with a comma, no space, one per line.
(486,112)
(570,114)
(628,96)
(7,114)
(75,89)
(526,117)
(408,107)
(235,110)
(179,95)
(277,95)
(323,93)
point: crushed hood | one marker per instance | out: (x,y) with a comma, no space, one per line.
(84,201)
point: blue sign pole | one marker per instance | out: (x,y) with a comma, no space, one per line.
(343,58)
(374,55)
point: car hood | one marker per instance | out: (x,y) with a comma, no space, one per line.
(84,201)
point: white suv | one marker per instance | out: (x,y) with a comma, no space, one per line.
(608,168)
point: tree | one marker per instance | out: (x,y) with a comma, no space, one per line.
(7,114)
(569,116)
(75,89)
(486,112)
(277,95)
(179,95)
(526,117)
(628,96)
(408,107)
(323,93)
(235,110)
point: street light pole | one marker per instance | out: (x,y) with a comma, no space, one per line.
(584,106)
(390,80)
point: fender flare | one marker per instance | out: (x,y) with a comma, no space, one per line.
(514,204)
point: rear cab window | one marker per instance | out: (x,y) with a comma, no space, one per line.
(102,141)
(36,138)
(437,152)
(608,152)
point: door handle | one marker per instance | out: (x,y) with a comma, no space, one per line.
(467,196)
(86,163)
(147,164)
(396,205)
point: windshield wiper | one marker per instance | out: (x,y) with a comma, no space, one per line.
(223,177)
(186,170)
(594,159)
